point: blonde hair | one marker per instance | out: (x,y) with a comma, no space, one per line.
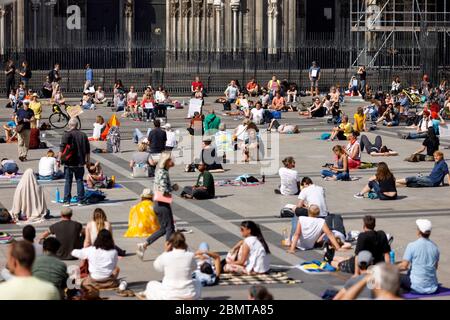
(142,147)
(100,120)
(50,153)
(313,211)
(99,217)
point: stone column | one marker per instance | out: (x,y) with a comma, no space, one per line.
(218,7)
(20,13)
(209,26)
(173,14)
(292,25)
(128,11)
(259,25)
(185,7)
(35,4)
(235,4)
(196,14)
(272,13)
(2,30)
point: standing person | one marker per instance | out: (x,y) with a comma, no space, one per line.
(273,86)
(10,72)
(232,92)
(162,201)
(25,73)
(23,286)
(36,106)
(89,77)
(23,119)
(55,77)
(421,259)
(314,77)
(362,81)
(76,143)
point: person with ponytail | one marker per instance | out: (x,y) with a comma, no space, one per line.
(99,222)
(250,255)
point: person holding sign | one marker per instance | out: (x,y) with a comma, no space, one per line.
(314,77)
(148,105)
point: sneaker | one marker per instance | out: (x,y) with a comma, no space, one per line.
(359,196)
(66,204)
(140,251)
(277,191)
(81,203)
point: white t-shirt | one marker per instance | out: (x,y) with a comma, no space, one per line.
(47,166)
(97,130)
(258,260)
(101,262)
(171,139)
(241,132)
(232,92)
(315,195)
(289,180)
(28,288)
(311,231)
(257,115)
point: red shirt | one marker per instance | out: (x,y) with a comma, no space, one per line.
(251,85)
(197,86)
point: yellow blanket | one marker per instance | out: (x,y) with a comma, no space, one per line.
(142,221)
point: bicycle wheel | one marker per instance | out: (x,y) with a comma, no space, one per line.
(58,120)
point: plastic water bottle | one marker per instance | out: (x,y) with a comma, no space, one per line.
(57,195)
(392,256)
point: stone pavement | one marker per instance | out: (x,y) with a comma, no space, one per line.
(217,221)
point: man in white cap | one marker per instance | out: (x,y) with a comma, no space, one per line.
(421,259)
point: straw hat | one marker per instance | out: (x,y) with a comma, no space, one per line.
(147,194)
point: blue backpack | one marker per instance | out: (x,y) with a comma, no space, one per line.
(276,114)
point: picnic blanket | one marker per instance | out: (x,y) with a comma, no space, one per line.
(234,183)
(316,267)
(228,279)
(441,292)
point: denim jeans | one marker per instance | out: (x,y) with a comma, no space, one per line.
(339,176)
(137,135)
(57,175)
(415,135)
(165,217)
(375,187)
(419,182)
(69,172)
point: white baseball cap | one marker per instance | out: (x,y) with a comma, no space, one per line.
(424,225)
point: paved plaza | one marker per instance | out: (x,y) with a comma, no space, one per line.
(217,221)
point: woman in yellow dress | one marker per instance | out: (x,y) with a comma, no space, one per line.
(142,221)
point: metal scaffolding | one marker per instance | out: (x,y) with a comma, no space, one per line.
(399,34)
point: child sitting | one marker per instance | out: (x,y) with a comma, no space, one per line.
(10,131)
(95,177)
(87,102)
(12,100)
(99,126)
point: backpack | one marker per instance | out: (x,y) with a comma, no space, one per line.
(113,140)
(335,222)
(94,196)
(68,153)
(287,211)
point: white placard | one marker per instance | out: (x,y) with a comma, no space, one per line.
(444,130)
(148,105)
(314,73)
(355,83)
(195,105)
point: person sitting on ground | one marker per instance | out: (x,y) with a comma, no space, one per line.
(253,148)
(376,242)
(197,88)
(48,267)
(23,285)
(264,98)
(353,150)
(211,123)
(257,113)
(278,103)
(385,283)
(289,180)
(196,124)
(342,131)
(285,128)
(204,188)
(10,130)
(87,102)
(12,103)
(148,106)
(421,259)
(8,167)
(421,128)
(340,170)
(390,117)
(382,184)
(29,201)
(159,95)
(334,95)
(434,179)
(252,88)
(430,145)
(132,103)
(177,263)
(365,260)
(311,194)
(99,222)
(308,230)
(258,292)
(29,234)
(102,260)
(142,220)
(375,149)
(68,232)
(142,158)
(95,177)
(208,266)
(353,87)
(47,88)
(360,120)
(49,167)
(223,141)
(317,110)
(336,113)
(100,96)
(99,127)
(208,156)
(251,255)
(292,93)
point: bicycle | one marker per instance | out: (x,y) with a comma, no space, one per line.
(59,119)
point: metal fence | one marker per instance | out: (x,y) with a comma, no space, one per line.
(143,65)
